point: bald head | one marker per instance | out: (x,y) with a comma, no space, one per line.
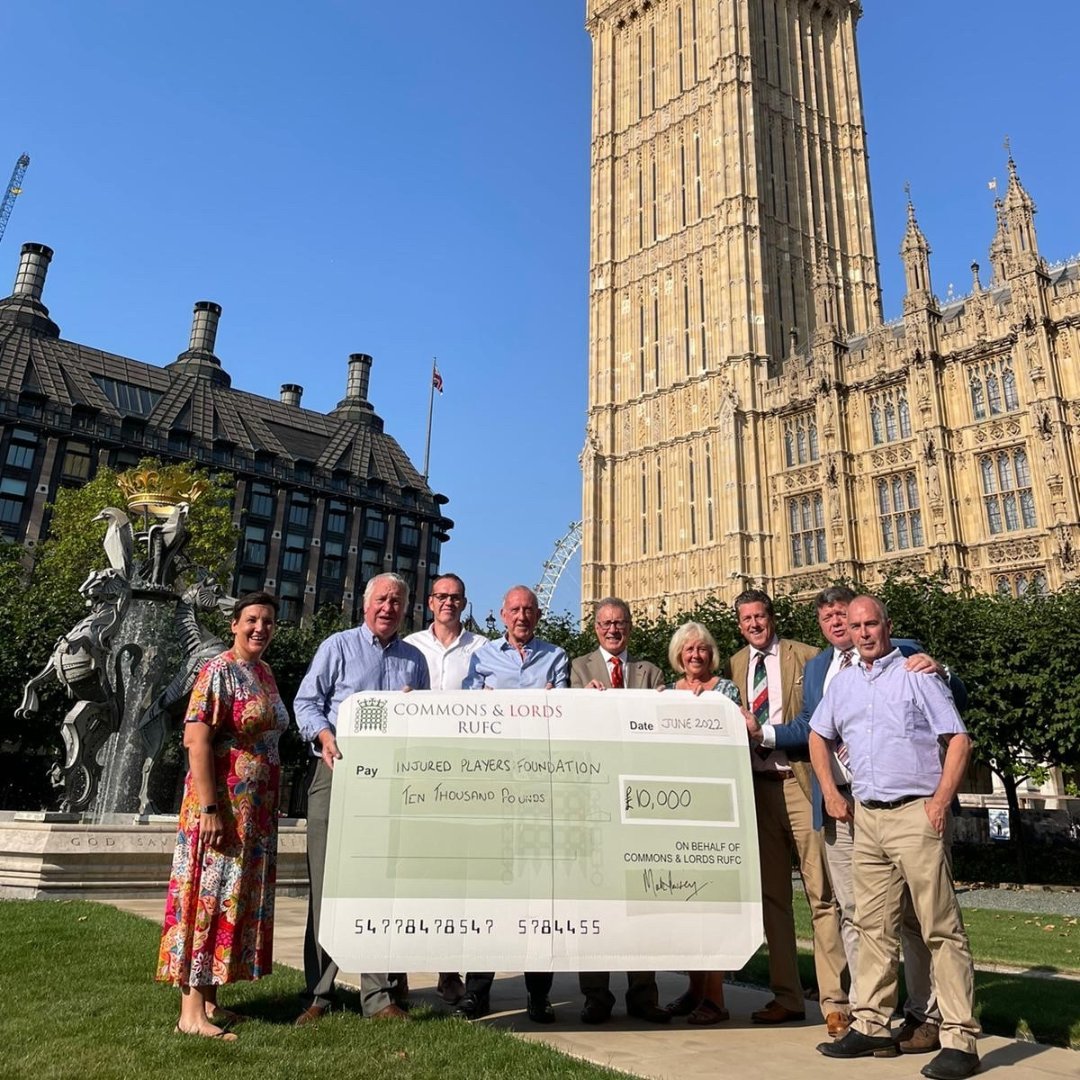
(869,626)
(521,614)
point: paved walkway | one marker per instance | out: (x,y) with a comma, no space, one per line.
(680,1052)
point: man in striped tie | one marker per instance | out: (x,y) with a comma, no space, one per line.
(769,675)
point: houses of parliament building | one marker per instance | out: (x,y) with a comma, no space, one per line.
(752,418)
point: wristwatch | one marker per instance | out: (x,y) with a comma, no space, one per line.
(211,809)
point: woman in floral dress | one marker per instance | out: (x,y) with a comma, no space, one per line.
(219,914)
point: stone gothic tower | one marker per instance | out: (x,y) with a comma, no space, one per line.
(730,207)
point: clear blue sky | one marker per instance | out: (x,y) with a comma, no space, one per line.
(412,180)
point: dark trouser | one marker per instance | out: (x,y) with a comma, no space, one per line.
(641,988)
(319,969)
(536,982)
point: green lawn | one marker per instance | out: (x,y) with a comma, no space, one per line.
(1047,1010)
(78,1002)
(1016,939)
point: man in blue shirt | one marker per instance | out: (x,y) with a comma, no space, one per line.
(893,724)
(368,657)
(517,661)
(919,1032)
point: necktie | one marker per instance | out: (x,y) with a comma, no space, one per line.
(760,706)
(841,747)
(616,673)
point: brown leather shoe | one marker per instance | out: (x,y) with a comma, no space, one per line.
(918,1038)
(311,1014)
(775,1013)
(391,1012)
(837,1023)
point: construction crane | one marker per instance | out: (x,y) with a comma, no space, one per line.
(14,189)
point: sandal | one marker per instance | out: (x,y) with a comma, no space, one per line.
(708,1012)
(683,1005)
(224,1036)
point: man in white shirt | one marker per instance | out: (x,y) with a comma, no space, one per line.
(447,647)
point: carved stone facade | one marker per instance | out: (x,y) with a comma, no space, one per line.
(752,419)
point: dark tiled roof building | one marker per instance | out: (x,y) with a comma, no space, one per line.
(323,501)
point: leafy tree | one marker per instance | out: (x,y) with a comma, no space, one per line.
(46,603)
(289,655)
(25,749)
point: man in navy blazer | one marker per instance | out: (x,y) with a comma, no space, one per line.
(919,1032)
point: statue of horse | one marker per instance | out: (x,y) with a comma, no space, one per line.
(78,658)
(79,661)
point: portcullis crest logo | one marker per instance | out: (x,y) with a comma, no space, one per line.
(369,714)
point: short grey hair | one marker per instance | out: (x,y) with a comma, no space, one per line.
(613,601)
(691,631)
(397,579)
(521,588)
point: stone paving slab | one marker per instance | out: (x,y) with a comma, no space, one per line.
(678,1051)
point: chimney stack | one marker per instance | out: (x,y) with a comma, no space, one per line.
(355,405)
(291,394)
(198,358)
(33,266)
(356,388)
(204,324)
(24,307)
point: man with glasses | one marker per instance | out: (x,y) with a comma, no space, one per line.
(447,647)
(611,667)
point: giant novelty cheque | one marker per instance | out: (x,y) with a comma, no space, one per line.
(564,830)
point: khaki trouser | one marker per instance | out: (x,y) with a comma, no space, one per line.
(893,849)
(839,853)
(786,827)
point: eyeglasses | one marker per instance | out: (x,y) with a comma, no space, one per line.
(447,598)
(613,624)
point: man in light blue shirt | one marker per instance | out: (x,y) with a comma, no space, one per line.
(368,657)
(517,661)
(893,724)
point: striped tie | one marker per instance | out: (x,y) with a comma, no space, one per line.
(841,747)
(760,707)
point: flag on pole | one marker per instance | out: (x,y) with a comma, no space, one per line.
(436,378)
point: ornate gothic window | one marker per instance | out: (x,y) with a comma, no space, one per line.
(1025,583)
(800,439)
(890,417)
(898,508)
(1007,494)
(806,523)
(993,388)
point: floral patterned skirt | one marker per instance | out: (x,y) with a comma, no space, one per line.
(219,913)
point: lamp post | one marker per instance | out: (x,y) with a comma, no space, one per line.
(489,622)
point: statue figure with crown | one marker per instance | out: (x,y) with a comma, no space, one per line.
(129,664)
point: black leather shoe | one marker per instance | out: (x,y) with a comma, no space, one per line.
(595,1012)
(653,1014)
(471,1007)
(855,1044)
(540,1010)
(951,1065)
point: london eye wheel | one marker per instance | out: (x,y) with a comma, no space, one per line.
(565,549)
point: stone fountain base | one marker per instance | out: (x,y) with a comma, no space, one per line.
(46,855)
